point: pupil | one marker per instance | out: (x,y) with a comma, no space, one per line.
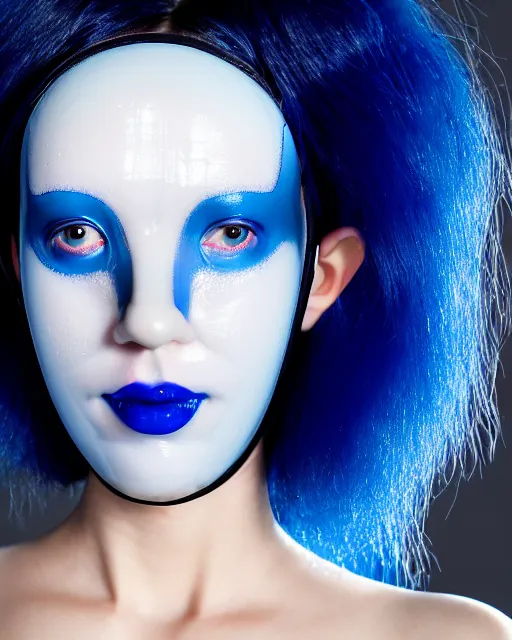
(76,233)
(233,233)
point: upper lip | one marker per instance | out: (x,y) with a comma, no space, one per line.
(161,393)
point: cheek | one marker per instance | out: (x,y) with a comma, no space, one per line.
(246,317)
(69,316)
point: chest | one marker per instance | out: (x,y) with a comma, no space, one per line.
(39,622)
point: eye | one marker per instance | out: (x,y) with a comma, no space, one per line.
(229,239)
(78,240)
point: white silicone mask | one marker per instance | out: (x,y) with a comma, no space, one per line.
(162,248)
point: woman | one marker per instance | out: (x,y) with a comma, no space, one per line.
(178,194)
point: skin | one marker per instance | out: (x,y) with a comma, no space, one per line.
(216,567)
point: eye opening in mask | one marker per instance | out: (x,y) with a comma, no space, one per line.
(59,246)
(249,241)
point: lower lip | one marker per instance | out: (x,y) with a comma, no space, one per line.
(155,418)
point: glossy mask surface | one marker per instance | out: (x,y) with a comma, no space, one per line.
(162,249)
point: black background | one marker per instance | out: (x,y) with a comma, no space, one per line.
(471,535)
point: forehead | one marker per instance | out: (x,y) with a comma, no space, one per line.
(154,118)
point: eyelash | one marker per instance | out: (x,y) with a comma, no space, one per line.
(58,242)
(249,241)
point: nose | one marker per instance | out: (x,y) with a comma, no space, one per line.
(153,326)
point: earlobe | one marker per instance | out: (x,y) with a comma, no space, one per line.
(15,258)
(340,255)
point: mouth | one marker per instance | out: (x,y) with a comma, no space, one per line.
(154,410)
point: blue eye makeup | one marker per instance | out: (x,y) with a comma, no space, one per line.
(244,228)
(76,234)
(73,233)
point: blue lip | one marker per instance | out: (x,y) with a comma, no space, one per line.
(158,410)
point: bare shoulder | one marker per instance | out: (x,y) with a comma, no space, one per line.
(9,560)
(415,615)
(16,566)
(12,576)
(357,607)
(440,616)
(24,569)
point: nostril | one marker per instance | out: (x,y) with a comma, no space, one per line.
(121,335)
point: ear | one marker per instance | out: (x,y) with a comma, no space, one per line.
(15,258)
(340,255)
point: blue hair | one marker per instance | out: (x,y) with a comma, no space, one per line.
(395,384)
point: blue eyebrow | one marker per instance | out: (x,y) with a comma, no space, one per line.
(277,216)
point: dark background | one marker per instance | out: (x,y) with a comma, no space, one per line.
(471,535)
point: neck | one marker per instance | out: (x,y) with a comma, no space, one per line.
(187,559)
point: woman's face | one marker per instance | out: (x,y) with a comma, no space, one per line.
(162,249)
